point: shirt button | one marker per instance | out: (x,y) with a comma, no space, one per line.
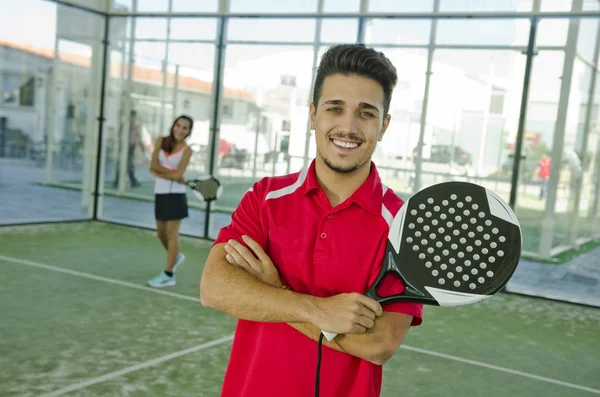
(323,235)
(330,216)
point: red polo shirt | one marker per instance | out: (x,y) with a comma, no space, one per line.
(321,251)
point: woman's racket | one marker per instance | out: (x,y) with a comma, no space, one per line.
(452,244)
(206,189)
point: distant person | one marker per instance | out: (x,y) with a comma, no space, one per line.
(170,158)
(543,172)
(135,140)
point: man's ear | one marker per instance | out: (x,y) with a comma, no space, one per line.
(313,115)
(386,122)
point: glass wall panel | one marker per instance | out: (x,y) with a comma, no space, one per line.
(152,81)
(264,117)
(279,30)
(265,7)
(49,97)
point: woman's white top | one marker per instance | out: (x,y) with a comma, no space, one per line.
(170,161)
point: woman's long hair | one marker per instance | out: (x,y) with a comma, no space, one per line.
(169,142)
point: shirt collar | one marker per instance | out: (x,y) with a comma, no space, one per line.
(369,195)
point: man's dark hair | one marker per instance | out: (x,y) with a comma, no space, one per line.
(357,59)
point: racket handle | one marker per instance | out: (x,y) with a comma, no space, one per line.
(329,335)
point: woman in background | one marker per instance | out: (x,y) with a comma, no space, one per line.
(169,160)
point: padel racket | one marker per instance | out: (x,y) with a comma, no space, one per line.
(206,188)
(451,244)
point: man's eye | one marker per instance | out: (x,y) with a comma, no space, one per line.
(367,114)
(334,110)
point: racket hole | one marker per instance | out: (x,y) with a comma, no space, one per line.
(482,214)
(451,210)
(445,202)
(467,212)
(469,248)
(465,226)
(458,269)
(426,228)
(485,251)
(422,206)
(461,255)
(456,232)
(459,204)
(447,238)
(502,239)
(441,230)
(418,234)
(413,212)
(430,250)
(446,252)
(490,274)
(493,245)
(443,216)
(473,220)
(449,224)
(471,234)
(443,266)
(432,236)
(463,240)
(478,242)
(465,278)
(421,256)
(428,264)
(409,240)
(467,263)
(480,229)
(458,218)
(435,272)
(474,271)
(411,225)
(453,196)
(430,200)
(500,254)
(454,246)
(475,206)
(423,242)
(457,283)
(476,257)
(495,230)
(450,275)
(437,258)
(419,220)
(434,222)
(439,244)
(483,265)
(428,214)
(415,247)
(488,222)
(472,286)
(468,199)
(436,208)
(441,281)
(452,261)
(491,259)
(481,280)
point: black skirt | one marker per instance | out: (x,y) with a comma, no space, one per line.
(170,206)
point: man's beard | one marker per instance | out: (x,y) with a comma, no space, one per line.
(342,170)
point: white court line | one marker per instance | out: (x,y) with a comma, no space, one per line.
(415,349)
(97,278)
(146,364)
(501,369)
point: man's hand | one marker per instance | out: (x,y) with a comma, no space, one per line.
(261,268)
(352,313)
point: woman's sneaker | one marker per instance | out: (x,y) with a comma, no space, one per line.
(162,280)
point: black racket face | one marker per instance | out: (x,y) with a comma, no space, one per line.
(207,189)
(452,244)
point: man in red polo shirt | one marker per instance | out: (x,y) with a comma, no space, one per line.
(321,235)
